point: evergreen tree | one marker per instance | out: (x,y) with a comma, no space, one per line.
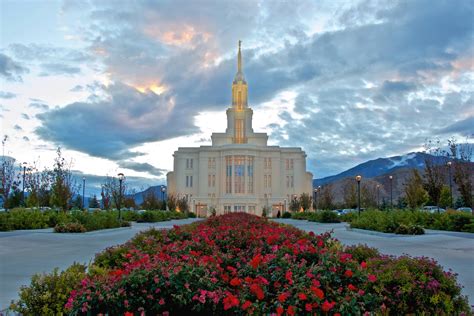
(94,203)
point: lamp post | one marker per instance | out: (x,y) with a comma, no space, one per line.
(163,190)
(358,178)
(391,192)
(450,183)
(121,176)
(83,191)
(23,192)
(378,194)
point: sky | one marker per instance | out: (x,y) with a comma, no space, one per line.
(120,85)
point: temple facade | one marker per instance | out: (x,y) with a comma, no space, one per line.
(239,172)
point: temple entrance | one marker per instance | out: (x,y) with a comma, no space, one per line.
(279,207)
(201,210)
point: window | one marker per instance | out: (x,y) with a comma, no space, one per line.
(187,181)
(269,163)
(250,161)
(292,182)
(213,180)
(287,164)
(209,182)
(269,180)
(228,174)
(265,183)
(287,181)
(209,163)
(239,174)
(291,164)
(227,209)
(190,181)
(189,163)
(239,131)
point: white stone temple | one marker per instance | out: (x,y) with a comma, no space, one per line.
(239,172)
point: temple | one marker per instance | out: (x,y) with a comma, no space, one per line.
(239,172)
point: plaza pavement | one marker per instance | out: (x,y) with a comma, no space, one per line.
(453,250)
(24,253)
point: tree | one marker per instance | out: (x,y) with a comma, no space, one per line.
(172,202)
(183,205)
(8,180)
(326,197)
(434,175)
(305,201)
(64,186)
(94,203)
(150,201)
(294,205)
(445,197)
(368,194)
(350,194)
(463,170)
(415,193)
(112,193)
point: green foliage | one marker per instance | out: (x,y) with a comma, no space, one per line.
(362,252)
(445,197)
(69,228)
(48,293)
(23,219)
(294,205)
(288,215)
(415,193)
(326,217)
(417,286)
(160,216)
(305,201)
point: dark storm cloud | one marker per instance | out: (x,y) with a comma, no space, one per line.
(10,69)
(463,127)
(142,167)
(109,128)
(7,95)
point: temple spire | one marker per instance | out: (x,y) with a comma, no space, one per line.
(239,59)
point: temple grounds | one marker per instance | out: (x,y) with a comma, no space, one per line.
(25,253)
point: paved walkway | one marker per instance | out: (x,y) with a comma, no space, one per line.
(26,252)
(453,250)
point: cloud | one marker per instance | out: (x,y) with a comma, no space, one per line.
(25,116)
(77,88)
(7,95)
(463,127)
(142,167)
(39,106)
(110,127)
(51,69)
(26,139)
(10,69)
(17,127)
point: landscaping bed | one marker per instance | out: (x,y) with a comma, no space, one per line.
(243,264)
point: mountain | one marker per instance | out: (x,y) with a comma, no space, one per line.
(156,190)
(382,166)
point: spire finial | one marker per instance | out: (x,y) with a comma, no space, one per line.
(239,59)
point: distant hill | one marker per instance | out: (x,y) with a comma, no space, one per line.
(139,196)
(381,166)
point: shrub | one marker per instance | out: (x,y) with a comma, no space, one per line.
(23,219)
(326,217)
(48,293)
(70,228)
(287,215)
(301,215)
(191,215)
(416,286)
(362,252)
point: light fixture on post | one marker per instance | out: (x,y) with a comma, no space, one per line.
(358,178)
(378,194)
(121,177)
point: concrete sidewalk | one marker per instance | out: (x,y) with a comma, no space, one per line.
(26,252)
(453,250)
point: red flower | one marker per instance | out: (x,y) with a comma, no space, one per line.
(246,305)
(235,282)
(351,287)
(302,296)
(372,278)
(318,292)
(326,307)
(255,262)
(291,310)
(363,265)
(280,310)
(348,273)
(128,314)
(283,296)
(257,290)
(230,301)
(289,276)
(308,307)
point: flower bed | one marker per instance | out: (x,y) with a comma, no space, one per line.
(233,264)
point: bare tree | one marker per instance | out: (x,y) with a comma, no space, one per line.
(368,194)
(64,186)
(463,170)
(8,179)
(350,194)
(434,173)
(326,197)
